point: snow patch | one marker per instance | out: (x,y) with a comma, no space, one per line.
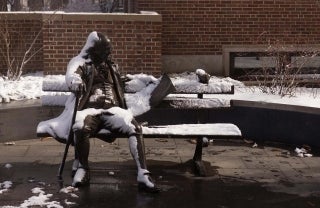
(28,87)
(188,82)
(139,81)
(302,152)
(5,186)
(8,166)
(41,199)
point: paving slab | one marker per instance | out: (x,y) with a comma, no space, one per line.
(238,175)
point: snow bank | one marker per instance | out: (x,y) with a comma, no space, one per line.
(28,87)
(5,186)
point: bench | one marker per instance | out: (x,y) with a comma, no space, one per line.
(194,98)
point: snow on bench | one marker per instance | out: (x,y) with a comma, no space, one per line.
(192,130)
(186,85)
(173,131)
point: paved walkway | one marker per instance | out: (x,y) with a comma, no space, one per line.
(239,175)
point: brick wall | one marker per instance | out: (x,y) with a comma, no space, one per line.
(187,27)
(200,27)
(21,31)
(136,39)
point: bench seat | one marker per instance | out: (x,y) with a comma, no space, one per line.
(173,131)
(192,130)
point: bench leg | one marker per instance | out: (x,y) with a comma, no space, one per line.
(199,167)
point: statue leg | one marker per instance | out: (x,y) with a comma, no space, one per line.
(136,145)
(82,148)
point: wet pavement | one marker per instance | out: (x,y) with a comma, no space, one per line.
(270,175)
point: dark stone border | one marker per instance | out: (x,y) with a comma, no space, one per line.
(290,124)
(275,106)
(19,119)
(258,121)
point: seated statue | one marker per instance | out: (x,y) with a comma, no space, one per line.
(95,78)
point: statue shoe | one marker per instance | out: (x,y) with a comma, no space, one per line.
(144,188)
(81,178)
(146,184)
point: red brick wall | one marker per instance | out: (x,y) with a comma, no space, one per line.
(200,27)
(136,40)
(21,33)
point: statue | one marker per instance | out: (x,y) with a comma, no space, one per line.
(96,79)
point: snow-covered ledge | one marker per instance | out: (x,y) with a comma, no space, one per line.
(275,106)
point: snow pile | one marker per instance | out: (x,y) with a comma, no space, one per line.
(203,76)
(188,82)
(70,190)
(40,199)
(8,166)
(28,87)
(181,102)
(139,81)
(5,186)
(142,85)
(302,152)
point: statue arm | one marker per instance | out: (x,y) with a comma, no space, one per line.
(74,76)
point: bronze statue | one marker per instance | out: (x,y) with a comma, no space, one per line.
(94,76)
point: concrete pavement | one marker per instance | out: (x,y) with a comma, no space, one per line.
(270,175)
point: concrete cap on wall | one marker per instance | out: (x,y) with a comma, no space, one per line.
(143,16)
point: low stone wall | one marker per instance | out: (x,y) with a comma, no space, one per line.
(257,121)
(19,119)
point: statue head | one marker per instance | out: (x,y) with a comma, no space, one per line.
(99,48)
